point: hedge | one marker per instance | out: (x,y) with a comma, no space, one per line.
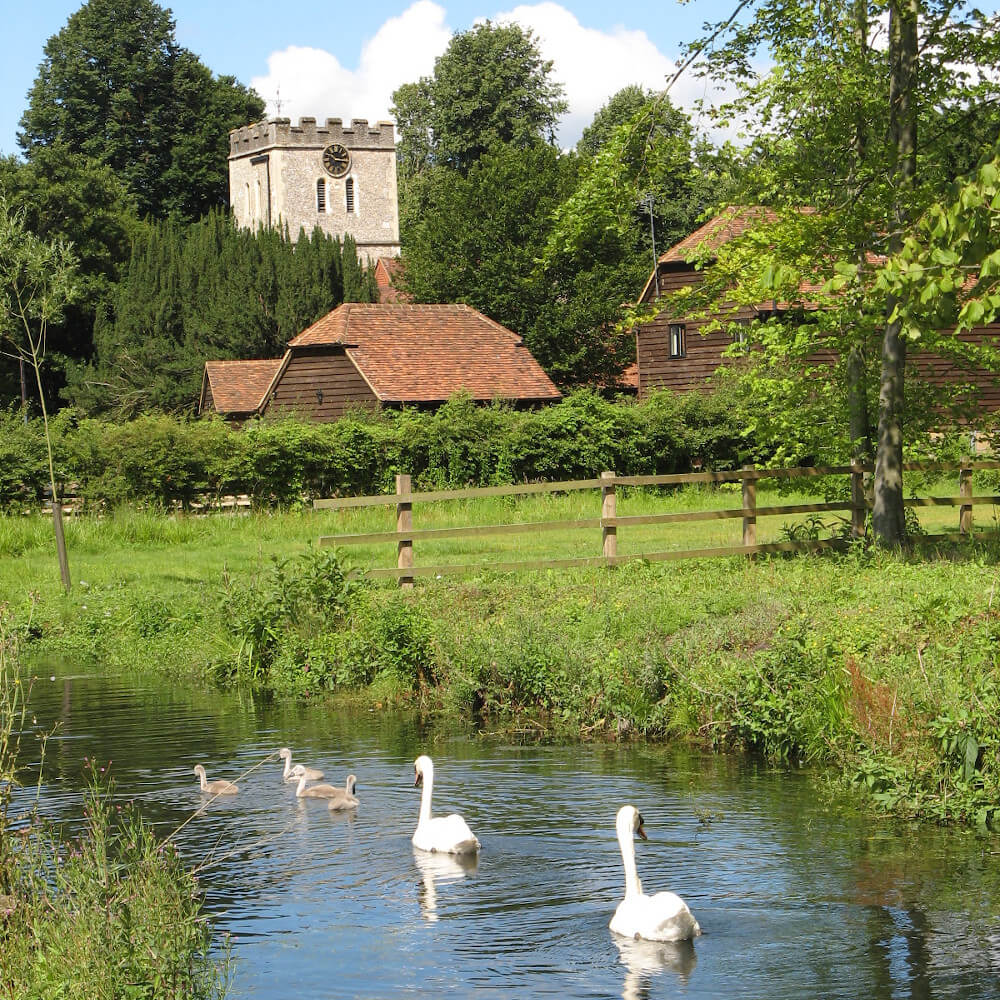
(161,459)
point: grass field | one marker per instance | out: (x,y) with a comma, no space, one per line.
(880,665)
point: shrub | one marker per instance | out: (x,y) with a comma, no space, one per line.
(158,459)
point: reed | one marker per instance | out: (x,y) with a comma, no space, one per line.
(108,913)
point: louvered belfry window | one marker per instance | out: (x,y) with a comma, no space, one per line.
(321,195)
(349,192)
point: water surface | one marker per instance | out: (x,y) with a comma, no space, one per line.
(797,895)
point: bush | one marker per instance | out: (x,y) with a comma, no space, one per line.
(158,459)
(293,601)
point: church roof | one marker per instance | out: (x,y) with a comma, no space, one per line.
(426,353)
(388,270)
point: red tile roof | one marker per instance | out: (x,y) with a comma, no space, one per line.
(238,386)
(388,270)
(729,224)
(718,231)
(426,353)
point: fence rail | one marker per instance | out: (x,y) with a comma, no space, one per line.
(609,522)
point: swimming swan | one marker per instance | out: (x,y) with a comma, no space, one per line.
(349,799)
(448,834)
(218,787)
(663,917)
(292,773)
(327,791)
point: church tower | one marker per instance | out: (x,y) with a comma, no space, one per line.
(340,178)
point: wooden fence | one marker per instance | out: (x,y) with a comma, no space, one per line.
(609,522)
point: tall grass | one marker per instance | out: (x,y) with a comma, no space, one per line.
(111,913)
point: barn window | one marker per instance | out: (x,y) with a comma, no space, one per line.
(678,340)
(349,193)
(321,195)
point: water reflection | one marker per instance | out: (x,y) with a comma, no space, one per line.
(644,960)
(437,869)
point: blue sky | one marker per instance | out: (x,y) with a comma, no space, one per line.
(344,59)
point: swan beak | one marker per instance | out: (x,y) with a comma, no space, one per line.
(417,778)
(642,833)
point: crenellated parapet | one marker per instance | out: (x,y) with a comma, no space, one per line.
(310,134)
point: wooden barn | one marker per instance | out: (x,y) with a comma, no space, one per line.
(672,353)
(381,355)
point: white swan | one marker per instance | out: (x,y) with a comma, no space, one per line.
(448,834)
(292,773)
(327,791)
(218,787)
(663,917)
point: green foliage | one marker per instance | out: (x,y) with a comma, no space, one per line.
(73,199)
(112,912)
(296,598)
(490,89)
(947,273)
(116,88)
(463,146)
(158,459)
(790,704)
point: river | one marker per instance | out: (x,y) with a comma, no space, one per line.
(797,893)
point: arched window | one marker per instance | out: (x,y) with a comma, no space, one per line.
(249,207)
(321,195)
(349,193)
(257,203)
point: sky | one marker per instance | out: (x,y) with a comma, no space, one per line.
(343,60)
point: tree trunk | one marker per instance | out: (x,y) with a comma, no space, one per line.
(888,521)
(858,418)
(857,406)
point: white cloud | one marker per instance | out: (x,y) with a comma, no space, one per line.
(592,65)
(312,81)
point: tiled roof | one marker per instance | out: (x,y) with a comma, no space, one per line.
(729,224)
(388,270)
(426,353)
(718,231)
(239,386)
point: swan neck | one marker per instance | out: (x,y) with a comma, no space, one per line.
(302,785)
(633,887)
(425,795)
(288,767)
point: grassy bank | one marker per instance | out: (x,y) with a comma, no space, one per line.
(108,913)
(882,668)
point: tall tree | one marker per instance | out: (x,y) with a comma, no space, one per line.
(37,280)
(835,126)
(205,291)
(71,198)
(490,88)
(115,87)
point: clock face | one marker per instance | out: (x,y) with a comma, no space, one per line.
(336,159)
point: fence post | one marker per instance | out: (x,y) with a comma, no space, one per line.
(404,524)
(749,503)
(965,491)
(609,532)
(858,510)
